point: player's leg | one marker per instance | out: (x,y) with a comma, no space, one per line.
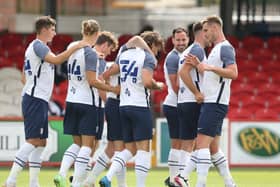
(35,162)
(71,120)
(174,161)
(142,134)
(219,160)
(188,134)
(101,164)
(87,129)
(119,160)
(35,113)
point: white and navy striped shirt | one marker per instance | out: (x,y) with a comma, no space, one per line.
(131,62)
(184,93)
(171,67)
(79,90)
(39,74)
(216,89)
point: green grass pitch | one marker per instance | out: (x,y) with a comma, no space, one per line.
(251,177)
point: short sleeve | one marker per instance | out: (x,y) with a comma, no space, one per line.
(149,61)
(101,67)
(90,59)
(40,49)
(171,63)
(227,55)
(197,51)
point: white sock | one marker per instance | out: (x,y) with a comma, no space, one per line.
(221,163)
(184,160)
(100,165)
(35,162)
(119,162)
(121,175)
(80,165)
(174,163)
(19,162)
(68,159)
(203,165)
(142,166)
(190,165)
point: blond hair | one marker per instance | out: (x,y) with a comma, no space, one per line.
(153,37)
(90,27)
(213,19)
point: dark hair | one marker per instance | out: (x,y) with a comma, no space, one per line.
(44,22)
(152,37)
(179,30)
(197,27)
(106,36)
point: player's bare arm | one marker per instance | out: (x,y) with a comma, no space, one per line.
(60,58)
(184,73)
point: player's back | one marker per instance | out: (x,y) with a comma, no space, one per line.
(79,90)
(133,92)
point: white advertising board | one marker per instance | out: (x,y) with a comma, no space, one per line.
(254,143)
(12,137)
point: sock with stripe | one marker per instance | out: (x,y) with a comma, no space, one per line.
(68,159)
(100,165)
(35,162)
(142,166)
(190,165)
(221,164)
(121,175)
(80,166)
(19,162)
(118,163)
(174,163)
(203,165)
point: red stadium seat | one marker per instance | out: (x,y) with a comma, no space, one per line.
(29,38)
(266,114)
(233,40)
(256,78)
(11,39)
(262,55)
(253,103)
(240,114)
(268,89)
(270,66)
(242,54)
(6,62)
(273,43)
(242,90)
(252,42)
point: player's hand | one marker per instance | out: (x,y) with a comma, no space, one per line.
(160,85)
(100,55)
(192,59)
(204,67)
(199,97)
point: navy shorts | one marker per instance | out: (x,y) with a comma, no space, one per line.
(80,119)
(171,114)
(112,113)
(137,123)
(35,114)
(211,119)
(188,118)
(100,123)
